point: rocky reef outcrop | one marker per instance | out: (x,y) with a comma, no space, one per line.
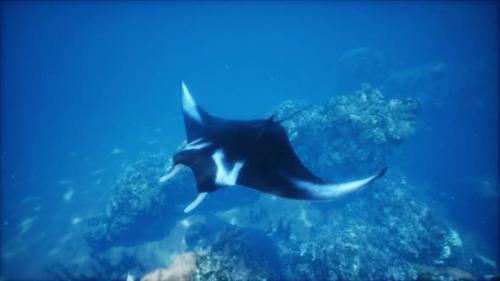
(138,202)
(387,234)
(377,238)
(350,134)
(238,254)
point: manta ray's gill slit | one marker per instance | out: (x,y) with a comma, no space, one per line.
(196,144)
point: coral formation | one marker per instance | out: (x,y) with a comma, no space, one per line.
(98,268)
(389,234)
(379,244)
(377,237)
(352,133)
(237,254)
(138,202)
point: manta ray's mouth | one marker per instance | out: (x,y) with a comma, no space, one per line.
(170,173)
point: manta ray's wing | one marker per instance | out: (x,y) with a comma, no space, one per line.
(196,120)
(199,124)
(274,167)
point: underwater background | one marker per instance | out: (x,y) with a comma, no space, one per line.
(91,114)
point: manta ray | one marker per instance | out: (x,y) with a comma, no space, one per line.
(252,153)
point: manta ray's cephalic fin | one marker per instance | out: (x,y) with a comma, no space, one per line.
(170,173)
(196,202)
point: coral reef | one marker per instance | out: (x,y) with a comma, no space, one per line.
(237,254)
(377,237)
(138,202)
(352,133)
(98,268)
(388,234)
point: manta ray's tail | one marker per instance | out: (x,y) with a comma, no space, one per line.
(334,190)
(294,114)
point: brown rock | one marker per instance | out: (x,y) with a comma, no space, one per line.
(181,269)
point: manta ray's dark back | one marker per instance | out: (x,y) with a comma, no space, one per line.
(252,153)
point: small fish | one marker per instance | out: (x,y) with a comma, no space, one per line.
(153,141)
(116,151)
(26,224)
(97,172)
(65,182)
(76,220)
(65,238)
(30,199)
(68,195)
(98,181)
(485,187)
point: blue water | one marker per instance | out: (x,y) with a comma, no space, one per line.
(88,87)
